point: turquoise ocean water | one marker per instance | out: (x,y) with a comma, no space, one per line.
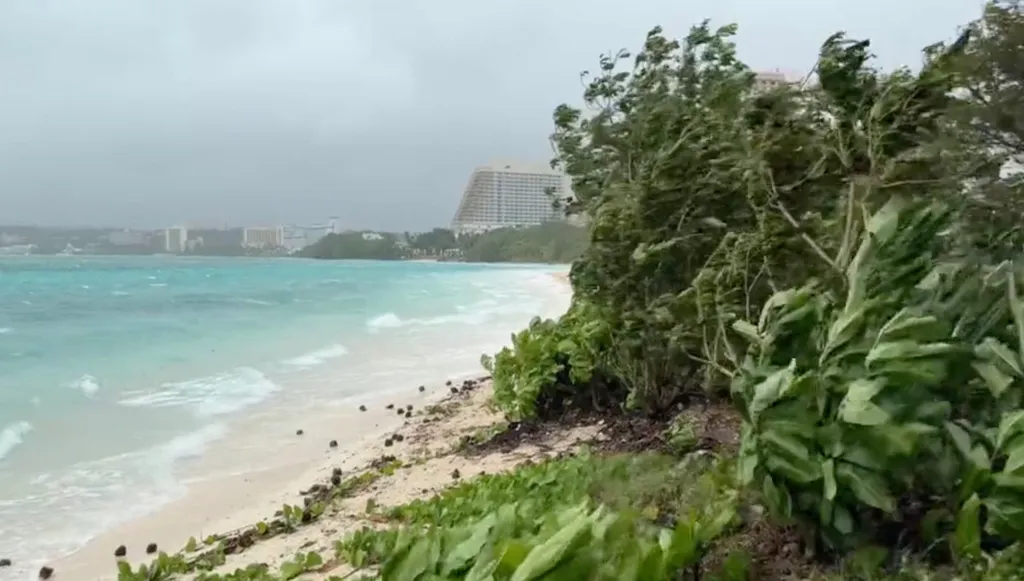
(114,371)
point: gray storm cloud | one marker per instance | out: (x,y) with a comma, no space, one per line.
(136,113)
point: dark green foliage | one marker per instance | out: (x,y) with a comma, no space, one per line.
(553,242)
(354,245)
(546,519)
(433,243)
(555,363)
(875,389)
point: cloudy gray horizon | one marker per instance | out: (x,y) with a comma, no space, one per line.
(233,112)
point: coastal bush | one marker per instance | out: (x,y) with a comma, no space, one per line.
(891,414)
(706,195)
(552,364)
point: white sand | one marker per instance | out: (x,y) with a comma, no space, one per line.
(230,503)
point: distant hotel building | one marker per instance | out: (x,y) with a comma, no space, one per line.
(298,237)
(272,237)
(768,80)
(508,194)
(176,239)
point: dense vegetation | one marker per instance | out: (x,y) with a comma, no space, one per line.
(837,262)
(555,242)
(354,245)
(840,260)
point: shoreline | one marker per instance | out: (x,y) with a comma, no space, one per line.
(431,457)
(228,502)
(225,503)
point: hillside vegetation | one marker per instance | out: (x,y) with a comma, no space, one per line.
(835,266)
(554,242)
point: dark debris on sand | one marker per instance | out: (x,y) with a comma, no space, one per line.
(716,427)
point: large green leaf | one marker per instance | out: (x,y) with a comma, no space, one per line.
(769,391)
(464,553)
(996,381)
(777,498)
(864,413)
(869,487)
(907,325)
(857,408)
(547,556)
(993,351)
(843,329)
(967,538)
(828,472)
(798,470)
(1015,457)
(906,349)
(1011,425)
(960,438)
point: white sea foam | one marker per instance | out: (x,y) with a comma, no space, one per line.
(475,314)
(215,395)
(256,302)
(69,507)
(86,384)
(317,357)
(385,321)
(6,330)
(12,436)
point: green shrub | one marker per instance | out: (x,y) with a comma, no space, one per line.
(898,404)
(583,517)
(552,363)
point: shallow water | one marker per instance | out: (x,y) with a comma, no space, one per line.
(116,371)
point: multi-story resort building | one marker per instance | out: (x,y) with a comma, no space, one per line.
(295,238)
(510,194)
(270,237)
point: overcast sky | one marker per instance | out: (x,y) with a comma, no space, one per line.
(146,113)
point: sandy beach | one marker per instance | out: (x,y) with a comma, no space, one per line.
(290,464)
(424,462)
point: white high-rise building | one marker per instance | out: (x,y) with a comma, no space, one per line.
(176,239)
(504,194)
(269,237)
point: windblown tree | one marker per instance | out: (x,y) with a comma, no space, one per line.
(993,76)
(820,250)
(989,122)
(705,195)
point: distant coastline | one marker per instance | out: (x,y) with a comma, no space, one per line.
(550,243)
